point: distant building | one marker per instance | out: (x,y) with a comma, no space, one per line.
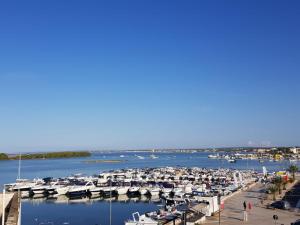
(295,150)
(261,150)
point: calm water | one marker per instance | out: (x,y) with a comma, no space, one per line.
(89,212)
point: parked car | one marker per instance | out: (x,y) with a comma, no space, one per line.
(297,222)
(281,205)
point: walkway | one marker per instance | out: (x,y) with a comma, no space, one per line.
(8,198)
(233,213)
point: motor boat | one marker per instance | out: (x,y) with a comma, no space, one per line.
(122,190)
(39,189)
(152,156)
(167,190)
(109,190)
(143,191)
(155,191)
(133,190)
(141,220)
(93,190)
(80,189)
(62,190)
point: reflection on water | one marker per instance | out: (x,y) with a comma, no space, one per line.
(84,210)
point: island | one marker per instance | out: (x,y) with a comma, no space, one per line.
(46,155)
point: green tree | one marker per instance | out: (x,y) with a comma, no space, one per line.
(3,156)
(284,183)
(278,181)
(272,190)
(293,169)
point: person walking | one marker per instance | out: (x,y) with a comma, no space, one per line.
(249,206)
(245,211)
(245,205)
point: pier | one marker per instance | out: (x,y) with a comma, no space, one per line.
(9,206)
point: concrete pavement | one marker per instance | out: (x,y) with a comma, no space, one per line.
(233,210)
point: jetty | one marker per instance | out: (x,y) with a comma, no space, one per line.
(9,206)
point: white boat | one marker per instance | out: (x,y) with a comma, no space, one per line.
(167,190)
(25,194)
(155,191)
(123,198)
(23,187)
(152,156)
(231,160)
(133,190)
(39,189)
(52,189)
(213,156)
(122,190)
(178,192)
(77,190)
(62,190)
(141,220)
(140,157)
(109,190)
(188,189)
(143,191)
(80,189)
(95,190)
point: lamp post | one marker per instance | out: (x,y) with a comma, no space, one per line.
(219,203)
(3,205)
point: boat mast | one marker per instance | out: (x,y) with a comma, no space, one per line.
(110,204)
(19,170)
(19,192)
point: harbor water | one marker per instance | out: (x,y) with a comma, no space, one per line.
(88,211)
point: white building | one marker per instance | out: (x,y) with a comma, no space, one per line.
(295,150)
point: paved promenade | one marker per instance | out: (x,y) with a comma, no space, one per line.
(8,198)
(233,211)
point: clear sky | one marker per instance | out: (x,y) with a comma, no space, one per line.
(148,74)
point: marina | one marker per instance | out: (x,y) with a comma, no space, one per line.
(178,189)
(148,191)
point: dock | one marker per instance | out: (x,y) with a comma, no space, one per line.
(10,207)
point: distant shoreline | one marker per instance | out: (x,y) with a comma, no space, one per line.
(103,161)
(47,155)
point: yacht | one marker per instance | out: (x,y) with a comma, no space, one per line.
(95,190)
(62,190)
(133,190)
(143,191)
(122,190)
(79,189)
(39,189)
(155,191)
(109,190)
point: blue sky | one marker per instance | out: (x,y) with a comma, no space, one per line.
(148,74)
